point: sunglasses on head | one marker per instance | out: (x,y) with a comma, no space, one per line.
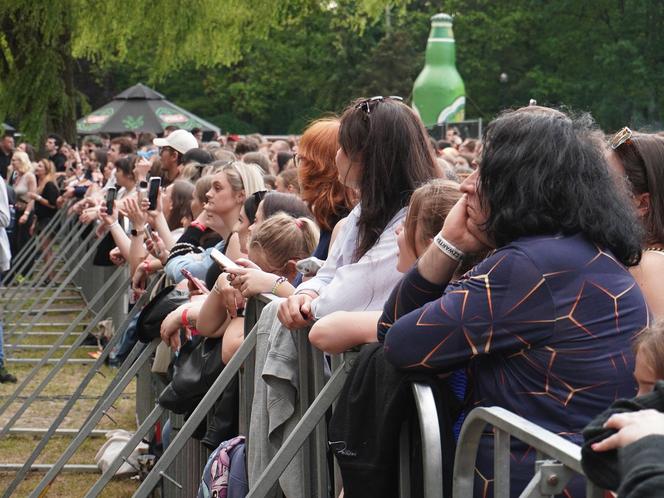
(367,104)
(620,138)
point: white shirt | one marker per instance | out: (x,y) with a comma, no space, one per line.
(5,218)
(343,285)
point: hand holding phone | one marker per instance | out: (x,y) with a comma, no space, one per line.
(222,260)
(194,281)
(150,233)
(110,200)
(153,192)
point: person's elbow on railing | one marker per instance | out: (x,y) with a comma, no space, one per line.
(342,330)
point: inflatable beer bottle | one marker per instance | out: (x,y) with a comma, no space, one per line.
(438,94)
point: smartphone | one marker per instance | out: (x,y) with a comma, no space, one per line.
(110,199)
(142,189)
(187,274)
(151,234)
(309,267)
(222,260)
(153,191)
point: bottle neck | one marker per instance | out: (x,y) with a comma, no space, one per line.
(441,50)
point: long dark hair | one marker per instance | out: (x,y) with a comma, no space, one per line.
(543,172)
(642,156)
(390,142)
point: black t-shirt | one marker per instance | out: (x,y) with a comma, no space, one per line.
(59,160)
(50,193)
(5,161)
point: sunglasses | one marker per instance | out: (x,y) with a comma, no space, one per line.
(367,104)
(620,138)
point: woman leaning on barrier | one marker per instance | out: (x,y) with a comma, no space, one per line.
(384,155)
(544,324)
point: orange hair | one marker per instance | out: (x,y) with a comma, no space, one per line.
(320,187)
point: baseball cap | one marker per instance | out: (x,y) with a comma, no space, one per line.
(180,140)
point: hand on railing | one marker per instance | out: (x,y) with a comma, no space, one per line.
(631,427)
(170,327)
(295,311)
(89,215)
(139,278)
(116,257)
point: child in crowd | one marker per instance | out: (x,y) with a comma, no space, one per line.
(649,361)
(275,245)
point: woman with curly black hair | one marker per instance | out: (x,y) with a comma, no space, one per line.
(544,324)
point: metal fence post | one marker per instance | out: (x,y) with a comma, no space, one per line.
(119,387)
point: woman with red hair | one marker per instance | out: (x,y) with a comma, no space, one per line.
(320,187)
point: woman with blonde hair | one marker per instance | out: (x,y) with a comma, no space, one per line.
(23,181)
(231,184)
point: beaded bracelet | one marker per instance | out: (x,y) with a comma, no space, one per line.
(277,283)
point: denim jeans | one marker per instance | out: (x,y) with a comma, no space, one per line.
(126,344)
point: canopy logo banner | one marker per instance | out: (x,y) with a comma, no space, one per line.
(96,119)
(167,115)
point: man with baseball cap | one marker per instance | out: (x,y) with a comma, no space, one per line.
(171,150)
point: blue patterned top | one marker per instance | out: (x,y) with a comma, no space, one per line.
(543,327)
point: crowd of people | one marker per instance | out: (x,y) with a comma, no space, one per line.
(520,271)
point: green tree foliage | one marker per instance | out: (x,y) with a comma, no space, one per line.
(41,43)
(603,56)
(271,66)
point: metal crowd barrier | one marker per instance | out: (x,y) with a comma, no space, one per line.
(316,397)
(139,356)
(558,459)
(21,260)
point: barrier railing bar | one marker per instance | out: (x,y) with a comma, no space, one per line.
(42,385)
(119,387)
(320,433)
(432,456)
(544,441)
(11,291)
(20,260)
(501,463)
(117,337)
(54,347)
(134,353)
(69,262)
(178,442)
(301,432)
(133,442)
(90,253)
(304,398)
